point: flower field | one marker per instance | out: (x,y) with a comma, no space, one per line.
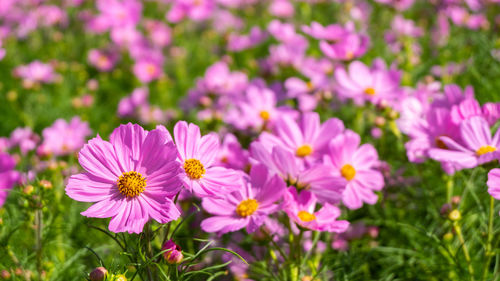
(299,140)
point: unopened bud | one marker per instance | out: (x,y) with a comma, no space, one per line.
(121,277)
(173,255)
(98,274)
(455,215)
(5,274)
(46,184)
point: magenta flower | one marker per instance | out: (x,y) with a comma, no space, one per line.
(247,207)
(132,178)
(301,209)
(475,147)
(364,84)
(357,165)
(197,155)
(307,139)
(63,138)
(25,138)
(128,105)
(36,71)
(258,110)
(352,46)
(8,176)
(102,60)
(232,155)
(493,183)
(173,254)
(147,70)
(318,179)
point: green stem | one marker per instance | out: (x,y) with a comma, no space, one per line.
(458,230)
(38,239)
(298,249)
(488,252)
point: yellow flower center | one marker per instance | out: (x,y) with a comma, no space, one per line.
(370,91)
(304,150)
(305,216)
(310,86)
(151,69)
(131,184)
(264,114)
(348,172)
(247,207)
(485,149)
(194,169)
(349,55)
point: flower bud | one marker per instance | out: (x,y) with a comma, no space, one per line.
(455,215)
(174,253)
(98,274)
(121,277)
(5,274)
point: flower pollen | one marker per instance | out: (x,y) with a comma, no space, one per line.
(264,114)
(304,150)
(305,216)
(131,184)
(194,169)
(247,207)
(485,149)
(370,91)
(348,172)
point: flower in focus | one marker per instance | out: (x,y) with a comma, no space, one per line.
(301,209)
(132,178)
(173,254)
(357,165)
(63,138)
(307,139)
(8,176)
(197,155)
(247,207)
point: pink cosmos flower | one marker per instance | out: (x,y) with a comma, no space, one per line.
(493,183)
(8,176)
(475,147)
(159,33)
(364,84)
(196,10)
(357,165)
(281,8)
(238,42)
(64,138)
(132,178)
(102,60)
(147,70)
(318,179)
(232,155)
(306,139)
(25,138)
(128,105)
(352,46)
(301,209)
(246,207)
(36,71)
(119,13)
(258,110)
(197,155)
